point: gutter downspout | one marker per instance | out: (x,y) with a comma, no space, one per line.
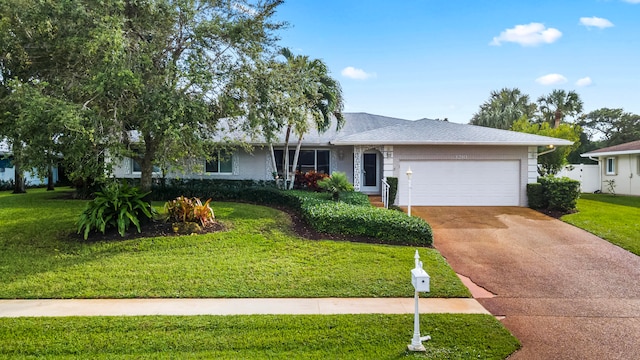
(599,171)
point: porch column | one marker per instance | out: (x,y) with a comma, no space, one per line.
(387,161)
(357,166)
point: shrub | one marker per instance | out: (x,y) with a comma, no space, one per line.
(536,196)
(561,193)
(393,189)
(115,206)
(335,184)
(312,178)
(392,226)
(184,210)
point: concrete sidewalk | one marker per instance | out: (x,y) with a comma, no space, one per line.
(317,306)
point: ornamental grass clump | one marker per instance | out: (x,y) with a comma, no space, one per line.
(189,214)
(115,206)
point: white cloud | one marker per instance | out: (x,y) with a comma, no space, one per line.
(596,22)
(585,81)
(551,79)
(358,74)
(528,35)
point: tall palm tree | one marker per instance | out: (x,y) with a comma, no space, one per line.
(558,105)
(318,97)
(503,108)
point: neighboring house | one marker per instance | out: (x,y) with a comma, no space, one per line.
(8,173)
(452,164)
(620,163)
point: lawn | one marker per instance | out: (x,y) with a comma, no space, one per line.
(258,256)
(613,218)
(254,337)
(40,257)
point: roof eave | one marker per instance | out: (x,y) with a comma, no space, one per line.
(610,153)
(478,143)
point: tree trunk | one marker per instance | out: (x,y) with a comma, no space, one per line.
(273,161)
(558,118)
(50,183)
(146,164)
(295,162)
(285,157)
(18,186)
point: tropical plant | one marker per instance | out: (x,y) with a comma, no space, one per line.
(116,206)
(183,209)
(613,126)
(335,184)
(558,105)
(319,98)
(552,161)
(503,108)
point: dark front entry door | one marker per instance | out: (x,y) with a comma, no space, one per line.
(370,163)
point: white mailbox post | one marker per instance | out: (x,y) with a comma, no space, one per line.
(420,281)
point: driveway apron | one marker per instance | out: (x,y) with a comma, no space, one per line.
(565,293)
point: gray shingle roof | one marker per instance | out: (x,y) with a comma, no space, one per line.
(632,147)
(437,132)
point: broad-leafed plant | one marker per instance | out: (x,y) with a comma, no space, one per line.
(115,206)
(183,209)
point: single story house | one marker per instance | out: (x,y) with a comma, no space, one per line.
(620,164)
(8,173)
(452,164)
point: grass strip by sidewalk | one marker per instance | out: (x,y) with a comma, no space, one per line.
(254,337)
(613,218)
(257,257)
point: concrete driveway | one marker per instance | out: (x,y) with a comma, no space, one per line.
(565,293)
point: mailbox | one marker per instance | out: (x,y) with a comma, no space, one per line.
(420,279)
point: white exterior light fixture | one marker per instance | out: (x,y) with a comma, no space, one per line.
(409,176)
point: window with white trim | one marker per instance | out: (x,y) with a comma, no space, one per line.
(308,160)
(638,164)
(611,166)
(221,163)
(136,168)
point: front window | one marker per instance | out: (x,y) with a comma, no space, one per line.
(611,166)
(136,168)
(220,163)
(308,160)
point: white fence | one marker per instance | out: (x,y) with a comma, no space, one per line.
(588,175)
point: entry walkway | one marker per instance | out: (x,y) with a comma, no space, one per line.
(319,306)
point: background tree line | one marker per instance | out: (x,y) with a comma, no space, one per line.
(558,114)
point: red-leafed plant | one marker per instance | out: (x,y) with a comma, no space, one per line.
(311,179)
(183,209)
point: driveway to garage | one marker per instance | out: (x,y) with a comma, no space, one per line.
(565,293)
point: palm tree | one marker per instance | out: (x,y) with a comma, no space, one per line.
(503,108)
(559,104)
(318,98)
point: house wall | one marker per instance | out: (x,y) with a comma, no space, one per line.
(588,175)
(255,165)
(32,179)
(469,153)
(627,176)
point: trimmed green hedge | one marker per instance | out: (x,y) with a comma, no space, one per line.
(554,193)
(393,189)
(391,226)
(352,215)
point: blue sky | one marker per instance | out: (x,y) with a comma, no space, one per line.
(416,59)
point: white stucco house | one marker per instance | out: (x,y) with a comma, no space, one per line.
(453,164)
(8,173)
(620,163)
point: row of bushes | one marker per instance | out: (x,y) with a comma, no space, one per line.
(352,215)
(551,193)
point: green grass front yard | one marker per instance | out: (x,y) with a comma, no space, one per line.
(613,218)
(258,256)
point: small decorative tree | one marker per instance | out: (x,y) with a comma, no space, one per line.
(336,183)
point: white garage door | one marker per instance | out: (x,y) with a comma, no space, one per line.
(461,183)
